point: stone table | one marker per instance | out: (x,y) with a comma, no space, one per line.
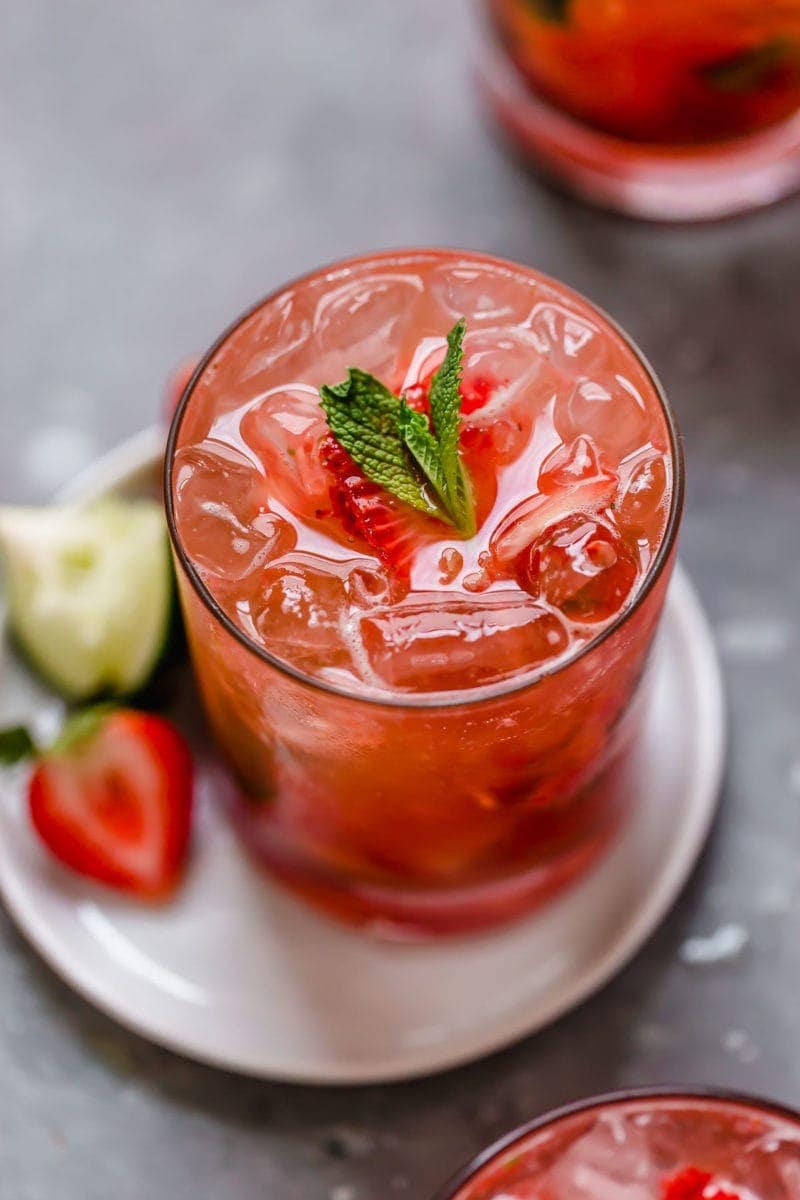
(164,163)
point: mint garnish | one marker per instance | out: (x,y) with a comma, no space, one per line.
(415,432)
(556,11)
(750,69)
(445,400)
(397,448)
(364,417)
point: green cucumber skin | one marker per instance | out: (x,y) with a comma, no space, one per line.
(172,647)
(164,632)
(173,650)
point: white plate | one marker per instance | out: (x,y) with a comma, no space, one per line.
(237,973)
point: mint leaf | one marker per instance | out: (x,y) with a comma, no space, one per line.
(397,448)
(364,418)
(445,401)
(556,11)
(424,448)
(752,68)
(15,744)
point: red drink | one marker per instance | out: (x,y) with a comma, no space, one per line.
(433,731)
(644,1147)
(631,91)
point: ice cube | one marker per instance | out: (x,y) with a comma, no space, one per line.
(582,567)
(280,331)
(508,358)
(610,1161)
(306,610)
(501,368)
(580,462)
(644,489)
(285,429)
(496,296)
(299,614)
(505,389)
(573,481)
(363,323)
(768,1168)
(225,526)
(572,343)
(437,643)
(607,408)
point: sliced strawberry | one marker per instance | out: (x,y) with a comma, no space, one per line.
(371,513)
(368,511)
(113,798)
(694,1184)
(416,396)
(475,392)
(573,480)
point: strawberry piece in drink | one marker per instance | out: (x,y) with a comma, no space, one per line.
(368,511)
(692,1183)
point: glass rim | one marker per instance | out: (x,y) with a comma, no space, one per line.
(467,1173)
(463,697)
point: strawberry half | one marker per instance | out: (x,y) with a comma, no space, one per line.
(112,799)
(368,511)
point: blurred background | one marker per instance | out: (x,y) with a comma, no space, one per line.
(163,164)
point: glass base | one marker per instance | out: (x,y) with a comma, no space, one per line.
(416,911)
(662,183)
(411,915)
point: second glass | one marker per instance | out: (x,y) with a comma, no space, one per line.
(665,109)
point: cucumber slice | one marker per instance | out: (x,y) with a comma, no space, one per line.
(90,592)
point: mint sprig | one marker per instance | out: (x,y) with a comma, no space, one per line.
(445,400)
(364,418)
(555,11)
(752,68)
(397,448)
(415,431)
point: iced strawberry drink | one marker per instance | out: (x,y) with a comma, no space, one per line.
(672,71)
(663,108)
(424,507)
(651,1147)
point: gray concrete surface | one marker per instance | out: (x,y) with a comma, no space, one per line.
(165,162)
